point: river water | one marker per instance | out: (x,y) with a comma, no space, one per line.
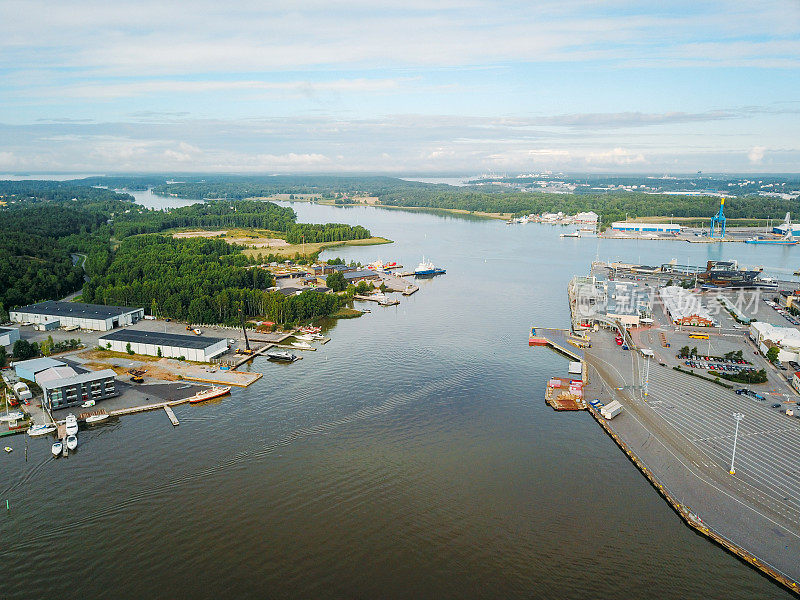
(411,457)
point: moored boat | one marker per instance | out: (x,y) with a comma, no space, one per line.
(428,269)
(38,430)
(96,418)
(10,417)
(72,424)
(210,393)
(306,337)
(281,355)
(304,345)
(56,448)
(72,442)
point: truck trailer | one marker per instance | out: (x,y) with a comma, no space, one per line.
(611,410)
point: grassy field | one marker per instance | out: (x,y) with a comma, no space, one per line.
(346,313)
(292,249)
(264,241)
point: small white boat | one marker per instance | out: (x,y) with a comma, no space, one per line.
(72,442)
(305,345)
(37,430)
(14,416)
(96,418)
(56,448)
(87,404)
(72,424)
(317,336)
(307,337)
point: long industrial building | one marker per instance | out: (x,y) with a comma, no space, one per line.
(646,227)
(171,345)
(97,317)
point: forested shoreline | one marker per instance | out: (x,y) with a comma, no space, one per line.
(611,205)
(131,262)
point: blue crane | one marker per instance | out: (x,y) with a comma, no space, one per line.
(718,221)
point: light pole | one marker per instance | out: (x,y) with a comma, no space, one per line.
(738,417)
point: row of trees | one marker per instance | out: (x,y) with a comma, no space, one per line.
(329,232)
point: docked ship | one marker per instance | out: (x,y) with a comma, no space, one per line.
(786,233)
(728,274)
(428,269)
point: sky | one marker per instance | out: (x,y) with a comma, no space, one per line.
(412,86)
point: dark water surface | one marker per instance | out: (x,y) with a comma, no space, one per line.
(412,456)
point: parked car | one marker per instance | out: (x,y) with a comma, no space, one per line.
(776,405)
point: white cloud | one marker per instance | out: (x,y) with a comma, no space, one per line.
(616,157)
(756,154)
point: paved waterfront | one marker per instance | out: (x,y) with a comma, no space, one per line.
(683,431)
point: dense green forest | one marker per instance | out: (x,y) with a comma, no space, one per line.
(610,206)
(198,280)
(35,261)
(35,192)
(327,186)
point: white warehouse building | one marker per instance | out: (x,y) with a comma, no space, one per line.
(646,227)
(97,317)
(171,345)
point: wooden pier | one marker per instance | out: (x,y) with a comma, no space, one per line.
(386,302)
(248,357)
(173,419)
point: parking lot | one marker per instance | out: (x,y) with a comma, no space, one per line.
(768,440)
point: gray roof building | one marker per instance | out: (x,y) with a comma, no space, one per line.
(99,317)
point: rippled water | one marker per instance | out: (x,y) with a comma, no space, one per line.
(412,456)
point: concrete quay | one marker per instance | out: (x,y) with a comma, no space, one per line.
(680,437)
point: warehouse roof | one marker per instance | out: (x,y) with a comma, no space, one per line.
(80,378)
(158,338)
(683,304)
(75,309)
(359,274)
(35,365)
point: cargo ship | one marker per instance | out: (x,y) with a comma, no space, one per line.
(781,241)
(428,269)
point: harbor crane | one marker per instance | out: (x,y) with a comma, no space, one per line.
(718,221)
(247,349)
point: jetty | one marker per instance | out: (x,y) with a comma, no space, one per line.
(171,414)
(382,301)
(560,340)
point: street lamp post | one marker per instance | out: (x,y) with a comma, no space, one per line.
(738,417)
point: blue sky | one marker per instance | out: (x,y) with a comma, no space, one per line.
(399,87)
